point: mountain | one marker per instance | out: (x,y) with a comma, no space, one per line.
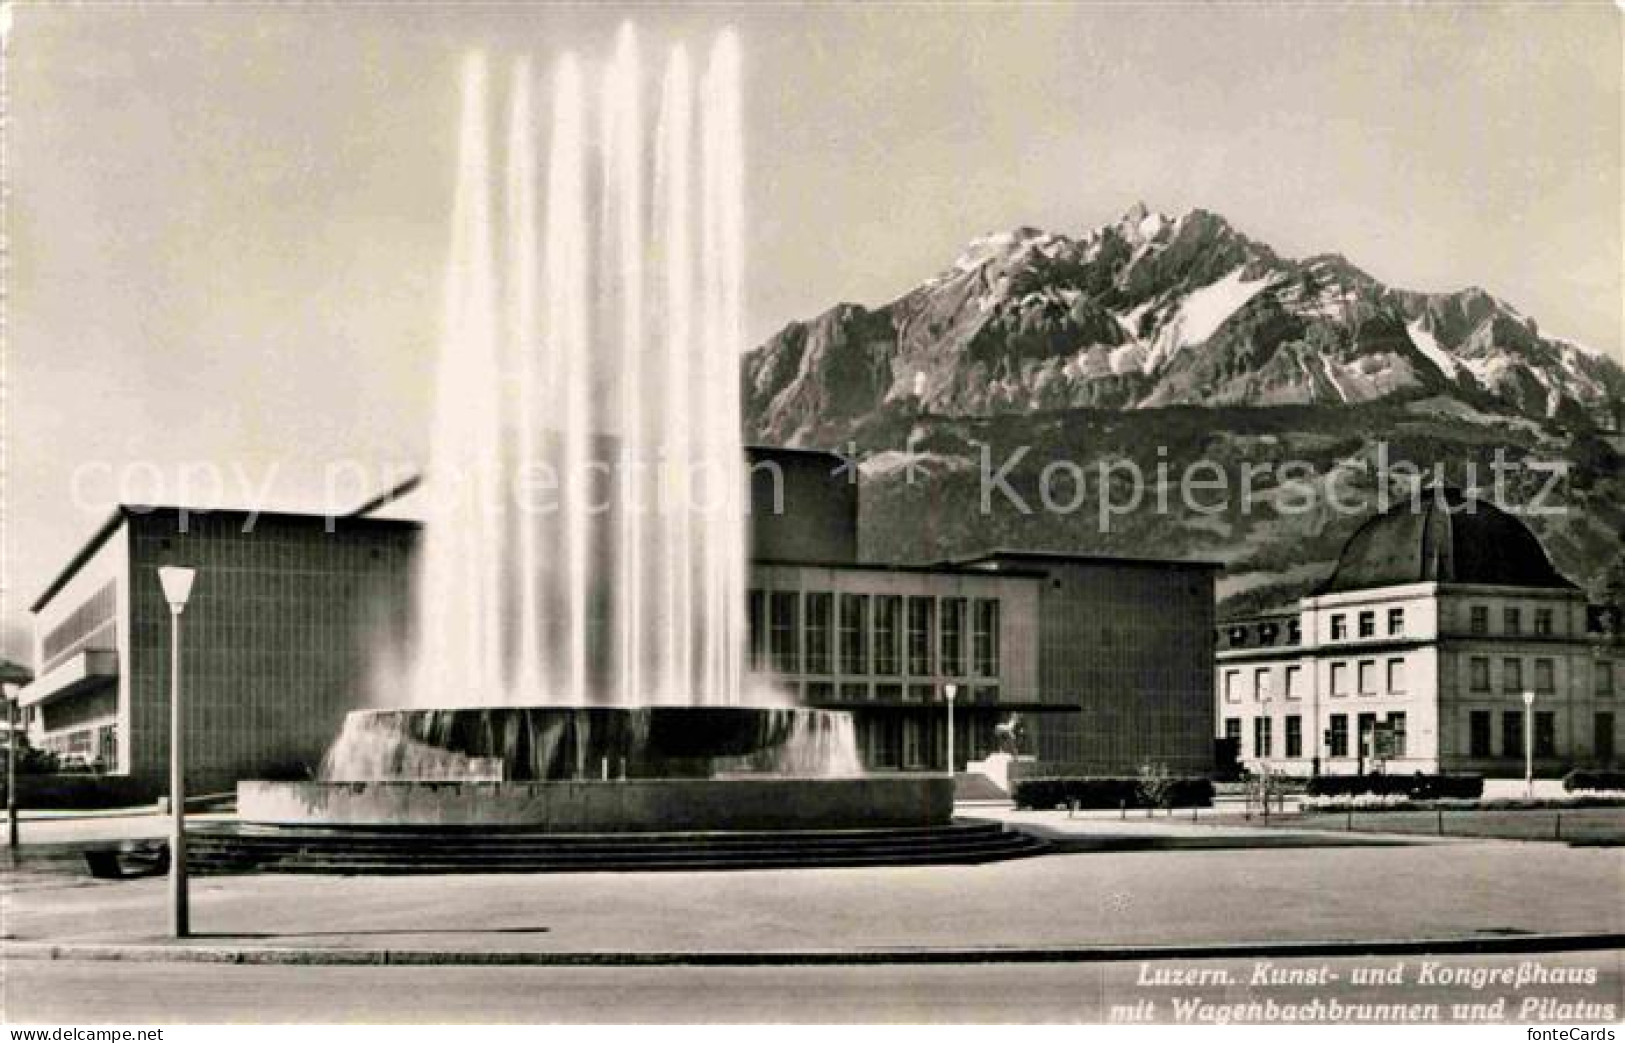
(1155,311)
(1161,342)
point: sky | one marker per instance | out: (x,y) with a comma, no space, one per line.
(228,222)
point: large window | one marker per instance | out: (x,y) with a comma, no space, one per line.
(1368,677)
(785,607)
(1340,627)
(921,617)
(1368,624)
(80,625)
(1479,619)
(1396,675)
(1545,733)
(986,642)
(1478,674)
(1261,683)
(1368,731)
(1512,621)
(1512,675)
(1294,736)
(913,746)
(954,611)
(854,633)
(1338,736)
(1396,622)
(1340,679)
(1232,731)
(1478,733)
(1602,735)
(756,613)
(1294,682)
(1512,733)
(1261,736)
(1605,677)
(1545,675)
(820,631)
(1543,622)
(888,634)
(1396,729)
(1232,681)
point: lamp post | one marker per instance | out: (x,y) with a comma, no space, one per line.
(950,691)
(177,584)
(1528,744)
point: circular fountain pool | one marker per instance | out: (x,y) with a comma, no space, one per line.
(600,769)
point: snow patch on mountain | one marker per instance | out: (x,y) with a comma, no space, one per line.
(1428,345)
(1204,310)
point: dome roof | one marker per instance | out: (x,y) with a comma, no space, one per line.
(1449,537)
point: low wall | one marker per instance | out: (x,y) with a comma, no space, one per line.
(630,806)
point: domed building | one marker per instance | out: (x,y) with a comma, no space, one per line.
(1441,640)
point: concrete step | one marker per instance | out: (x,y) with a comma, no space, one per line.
(301,850)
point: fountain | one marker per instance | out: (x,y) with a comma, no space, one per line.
(576,663)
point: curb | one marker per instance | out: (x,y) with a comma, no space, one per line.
(170,953)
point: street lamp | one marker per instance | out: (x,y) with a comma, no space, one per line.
(177,583)
(951,691)
(1528,744)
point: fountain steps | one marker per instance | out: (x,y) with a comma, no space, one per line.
(297,849)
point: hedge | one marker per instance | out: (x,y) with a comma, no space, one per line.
(1411,787)
(1112,792)
(77,791)
(1594,779)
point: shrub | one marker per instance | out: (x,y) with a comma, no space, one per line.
(1594,779)
(1411,787)
(1114,791)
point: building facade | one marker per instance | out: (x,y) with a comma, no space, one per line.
(1443,638)
(1108,661)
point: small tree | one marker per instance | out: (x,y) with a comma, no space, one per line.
(1157,785)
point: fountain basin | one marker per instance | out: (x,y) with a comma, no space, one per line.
(590,743)
(625,806)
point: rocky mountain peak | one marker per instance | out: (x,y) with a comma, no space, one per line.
(1149,311)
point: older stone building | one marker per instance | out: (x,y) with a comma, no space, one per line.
(1442,627)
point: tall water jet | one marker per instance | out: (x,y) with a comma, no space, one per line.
(459,614)
(587,541)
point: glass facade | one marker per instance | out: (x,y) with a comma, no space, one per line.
(854,633)
(820,631)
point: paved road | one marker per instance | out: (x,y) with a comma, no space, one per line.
(88,993)
(1179,897)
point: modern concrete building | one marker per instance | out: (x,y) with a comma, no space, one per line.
(1417,654)
(1108,661)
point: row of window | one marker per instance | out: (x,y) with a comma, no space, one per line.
(1365,675)
(821,692)
(1389,740)
(69,635)
(1362,674)
(1478,621)
(95,747)
(1386,741)
(1513,678)
(1268,632)
(823,633)
(1481,726)
(1366,622)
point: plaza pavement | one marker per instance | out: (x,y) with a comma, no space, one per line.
(1358,892)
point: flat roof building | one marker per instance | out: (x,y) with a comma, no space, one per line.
(1108,660)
